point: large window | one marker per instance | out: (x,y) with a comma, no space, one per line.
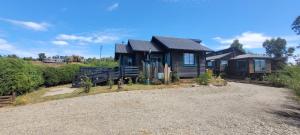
(189,59)
(259,65)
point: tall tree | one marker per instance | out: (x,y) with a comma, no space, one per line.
(296,25)
(236,44)
(42,56)
(277,48)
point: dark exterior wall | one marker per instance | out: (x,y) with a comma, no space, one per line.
(239,71)
(233,70)
(177,64)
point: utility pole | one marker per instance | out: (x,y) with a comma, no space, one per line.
(100,50)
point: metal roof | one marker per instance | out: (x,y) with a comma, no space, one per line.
(181,44)
(245,56)
(215,57)
(121,48)
(144,46)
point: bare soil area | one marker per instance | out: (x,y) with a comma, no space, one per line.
(234,109)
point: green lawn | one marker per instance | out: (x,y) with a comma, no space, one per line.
(37,96)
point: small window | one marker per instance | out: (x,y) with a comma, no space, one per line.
(189,59)
(209,64)
(223,65)
(224,62)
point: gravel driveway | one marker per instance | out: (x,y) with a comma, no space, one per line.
(234,109)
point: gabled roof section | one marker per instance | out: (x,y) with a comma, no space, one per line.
(227,50)
(121,48)
(181,44)
(143,46)
(246,56)
(216,57)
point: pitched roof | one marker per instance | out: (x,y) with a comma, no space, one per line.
(227,50)
(144,46)
(121,48)
(215,57)
(245,56)
(181,44)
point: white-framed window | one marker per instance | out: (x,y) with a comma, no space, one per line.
(189,59)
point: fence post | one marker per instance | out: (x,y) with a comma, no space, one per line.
(13,96)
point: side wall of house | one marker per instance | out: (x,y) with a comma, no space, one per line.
(184,71)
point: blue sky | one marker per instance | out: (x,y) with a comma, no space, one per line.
(66,27)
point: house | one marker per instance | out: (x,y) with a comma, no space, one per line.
(250,65)
(218,61)
(55,59)
(186,57)
(236,63)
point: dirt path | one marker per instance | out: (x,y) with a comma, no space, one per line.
(235,109)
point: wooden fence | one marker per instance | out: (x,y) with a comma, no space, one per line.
(7,100)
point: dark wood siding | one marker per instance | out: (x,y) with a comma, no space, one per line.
(235,71)
(187,71)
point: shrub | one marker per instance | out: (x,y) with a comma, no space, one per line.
(203,79)
(174,76)
(276,80)
(142,78)
(68,73)
(223,75)
(104,62)
(51,76)
(60,75)
(130,81)
(289,77)
(86,84)
(19,76)
(110,83)
(218,81)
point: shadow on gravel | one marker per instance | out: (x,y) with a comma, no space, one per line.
(290,114)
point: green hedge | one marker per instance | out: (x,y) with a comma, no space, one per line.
(60,75)
(23,76)
(288,77)
(19,76)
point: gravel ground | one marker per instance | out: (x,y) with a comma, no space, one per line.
(234,109)
(59,91)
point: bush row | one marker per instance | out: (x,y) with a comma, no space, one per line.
(287,77)
(20,76)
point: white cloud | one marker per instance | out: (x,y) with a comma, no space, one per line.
(9,48)
(5,46)
(248,39)
(113,7)
(28,24)
(59,42)
(252,40)
(102,38)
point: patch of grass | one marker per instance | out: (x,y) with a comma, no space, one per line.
(38,96)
